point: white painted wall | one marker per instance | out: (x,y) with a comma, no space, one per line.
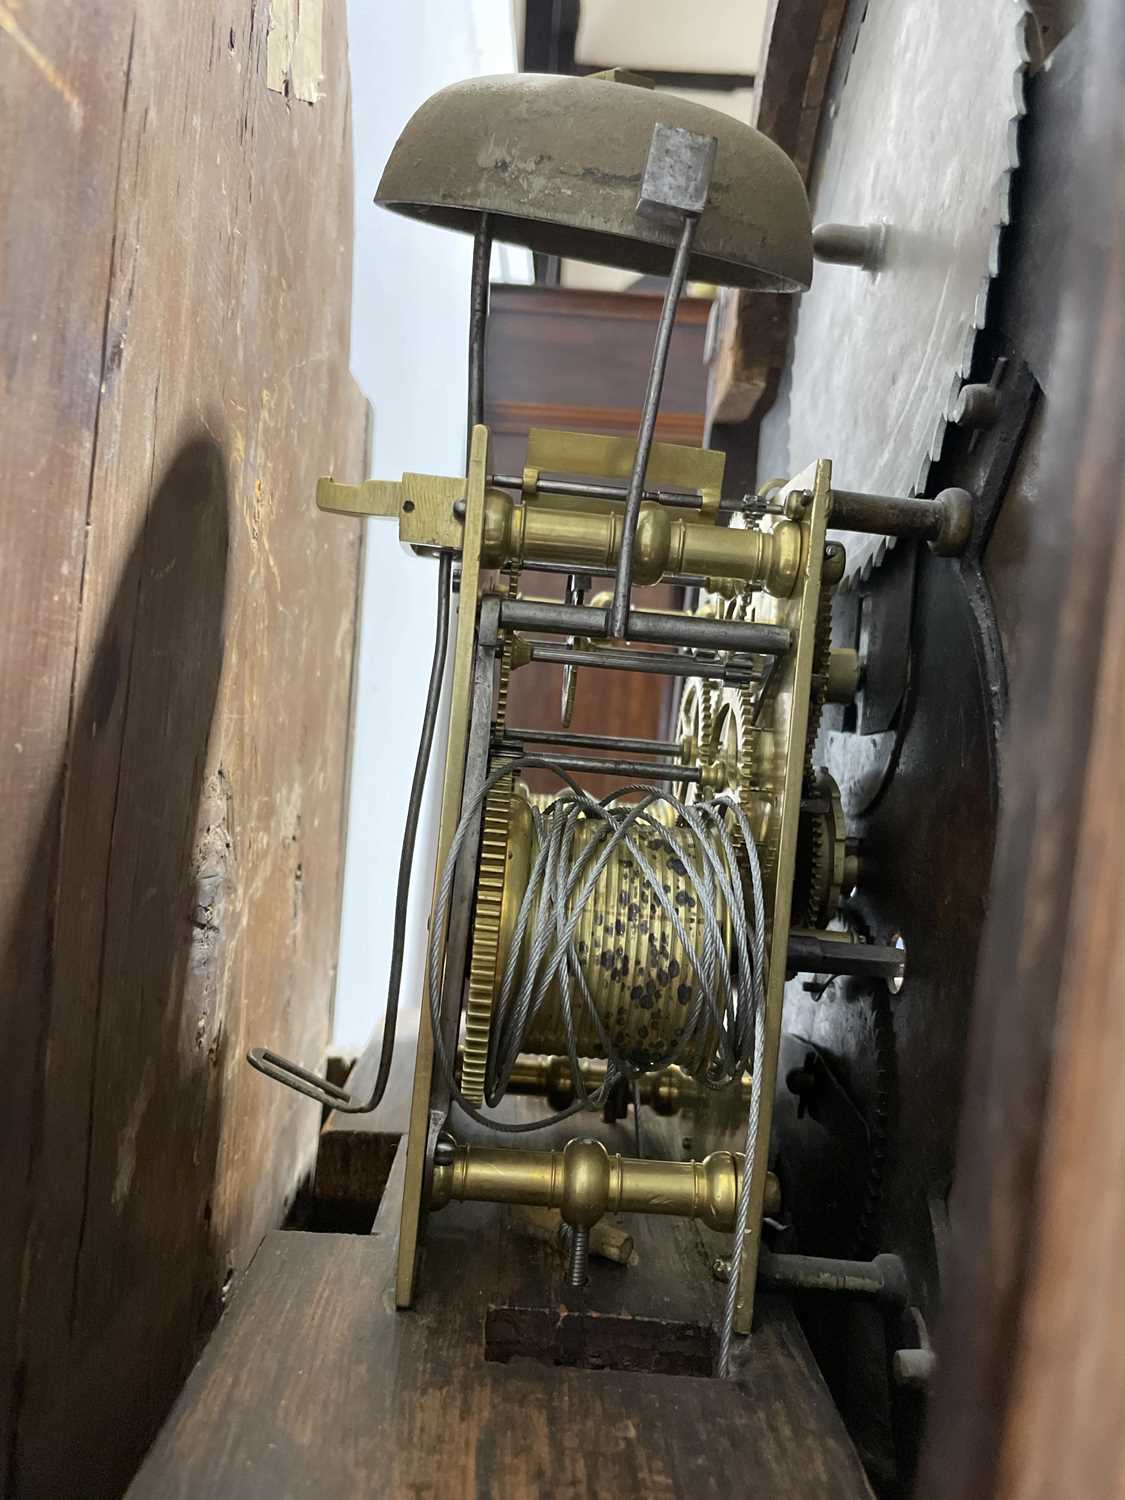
(710,36)
(409,326)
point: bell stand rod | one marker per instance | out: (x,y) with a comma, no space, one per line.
(619,610)
(478,323)
(272,1064)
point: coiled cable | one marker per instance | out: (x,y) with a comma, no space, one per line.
(729,996)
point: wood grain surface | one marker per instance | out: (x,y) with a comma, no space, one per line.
(176,627)
(751,333)
(561,357)
(356,1152)
(314,1386)
(1031,1383)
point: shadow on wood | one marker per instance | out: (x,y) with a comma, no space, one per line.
(108,1256)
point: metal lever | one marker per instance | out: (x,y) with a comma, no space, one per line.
(312,1085)
(674,188)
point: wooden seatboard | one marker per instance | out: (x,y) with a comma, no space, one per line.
(315,1385)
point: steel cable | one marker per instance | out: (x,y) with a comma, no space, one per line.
(727,995)
(732,996)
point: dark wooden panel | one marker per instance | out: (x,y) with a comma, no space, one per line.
(177,629)
(751,331)
(798,46)
(626,703)
(356,1152)
(560,357)
(1030,1393)
(518,417)
(314,1386)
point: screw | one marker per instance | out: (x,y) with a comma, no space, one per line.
(687,1143)
(459,508)
(835,560)
(721,1267)
(576,1271)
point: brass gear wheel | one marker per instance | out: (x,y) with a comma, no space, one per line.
(732,744)
(491,865)
(820,874)
(822,854)
(747,760)
(483,977)
(505,673)
(822,652)
(697,730)
(706,719)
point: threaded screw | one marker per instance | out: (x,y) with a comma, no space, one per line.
(576,1274)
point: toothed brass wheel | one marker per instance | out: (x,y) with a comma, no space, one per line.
(487,921)
(821,856)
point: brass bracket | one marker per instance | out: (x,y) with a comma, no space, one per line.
(673,466)
(584,1182)
(425,505)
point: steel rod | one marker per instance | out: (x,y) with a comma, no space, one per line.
(882,1279)
(280,1069)
(885,515)
(662,664)
(634,769)
(649,627)
(945,522)
(677,580)
(812,955)
(593,741)
(674,499)
(478,323)
(622,588)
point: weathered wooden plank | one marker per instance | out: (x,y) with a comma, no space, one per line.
(313,1385)
(798,46)
(751,332)
(1029,1394)
(47,452)
(177,627)
(356,1152)
(563,357)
